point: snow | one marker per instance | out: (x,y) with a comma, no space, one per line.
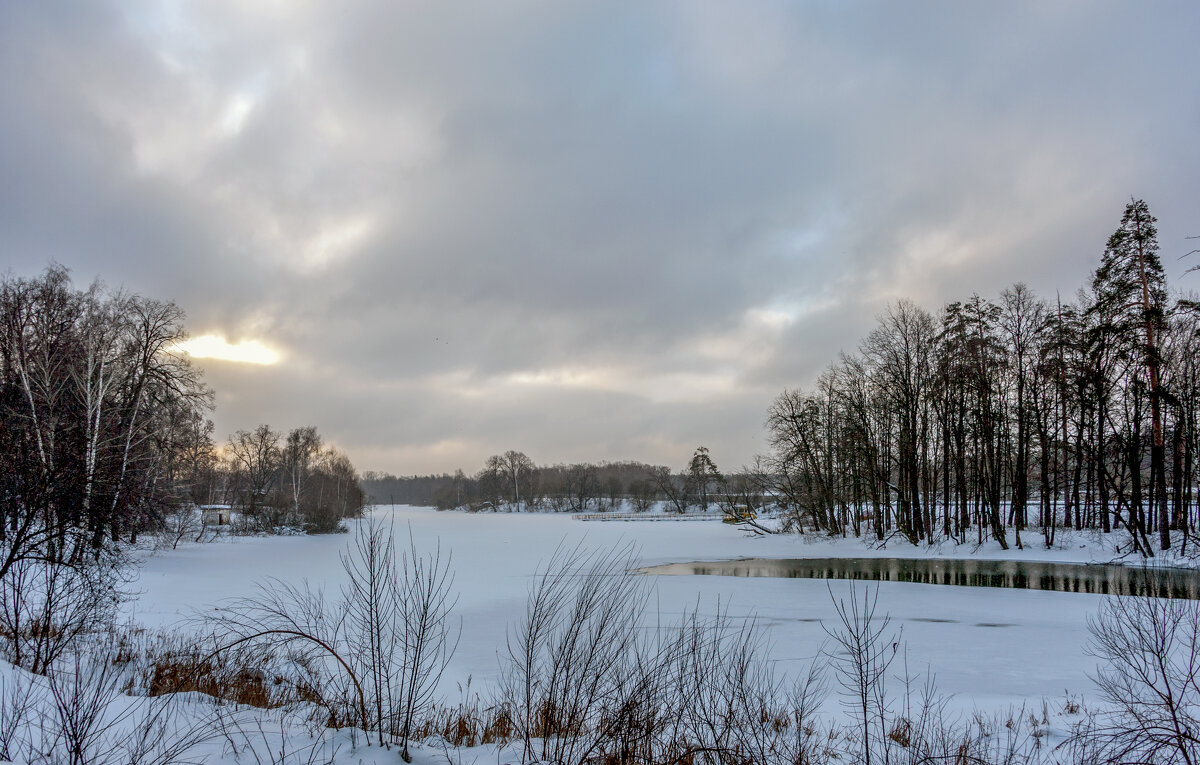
(989,647)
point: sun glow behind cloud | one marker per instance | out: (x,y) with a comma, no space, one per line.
(217,347)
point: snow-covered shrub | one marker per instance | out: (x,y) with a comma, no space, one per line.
(1149,679)
(46,607)
(77,715)
(586,678)
(376,653)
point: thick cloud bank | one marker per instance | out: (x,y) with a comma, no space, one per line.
(584,230)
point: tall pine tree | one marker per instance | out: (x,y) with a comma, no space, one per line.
(1131,283)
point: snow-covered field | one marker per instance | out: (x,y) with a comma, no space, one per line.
(991,650)
(988,647)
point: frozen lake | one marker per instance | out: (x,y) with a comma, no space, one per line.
(989,647)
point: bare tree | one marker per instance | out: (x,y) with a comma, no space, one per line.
(568,657)
(155,372)
(865,650)
(374,609)
(300,452)
(515,468)
(255,456)
(582,485)
(181,522)
(401,634)
(333,493)
(1149,679)
(669,487)
(1023,319)
(641,494)
(46,607)
(429,637)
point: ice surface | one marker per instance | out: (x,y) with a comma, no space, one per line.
(989,647)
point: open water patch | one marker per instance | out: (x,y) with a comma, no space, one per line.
(1096,579)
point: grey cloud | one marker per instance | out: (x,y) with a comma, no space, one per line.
(479,226)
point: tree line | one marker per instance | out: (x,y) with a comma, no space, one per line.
(513,481)
(998,417)
(282,480)
(104,430)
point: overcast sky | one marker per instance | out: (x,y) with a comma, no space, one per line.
(585,230)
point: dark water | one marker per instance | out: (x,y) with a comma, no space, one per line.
(1060,577)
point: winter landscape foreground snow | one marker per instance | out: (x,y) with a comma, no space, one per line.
(992,646)
(992,652)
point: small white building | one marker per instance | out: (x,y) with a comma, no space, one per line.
(215,515)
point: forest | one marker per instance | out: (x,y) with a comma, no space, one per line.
(1012,415)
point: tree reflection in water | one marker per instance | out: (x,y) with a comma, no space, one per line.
(1029,575)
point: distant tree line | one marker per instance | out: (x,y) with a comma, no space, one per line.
(512,481)
(104,431)
(999,416)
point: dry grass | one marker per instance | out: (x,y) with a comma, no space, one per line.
(468,724)
(165,664)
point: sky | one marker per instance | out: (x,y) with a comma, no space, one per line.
(583,230)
